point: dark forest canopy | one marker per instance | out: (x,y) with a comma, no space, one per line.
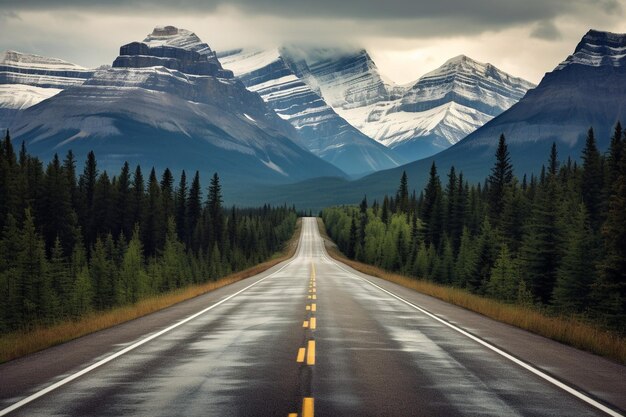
(71,244)
(557,241)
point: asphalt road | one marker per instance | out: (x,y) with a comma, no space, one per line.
(312,336)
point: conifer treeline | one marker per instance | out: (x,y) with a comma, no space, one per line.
(74,243)
(557,241)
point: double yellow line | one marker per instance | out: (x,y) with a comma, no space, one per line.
(308,353)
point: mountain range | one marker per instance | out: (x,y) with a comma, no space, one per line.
(167,102)
(587,89)
(293,124)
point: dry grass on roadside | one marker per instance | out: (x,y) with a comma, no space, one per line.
(565,330)
(17,344)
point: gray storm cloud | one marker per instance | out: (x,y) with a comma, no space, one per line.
(484,13)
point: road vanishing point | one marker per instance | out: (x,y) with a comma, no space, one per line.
(311,336)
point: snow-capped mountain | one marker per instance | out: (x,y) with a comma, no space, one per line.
(437,111)
(27,79)
(323,131)
(588,89)
(167,101)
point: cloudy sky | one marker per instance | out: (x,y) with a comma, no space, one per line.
(406,38)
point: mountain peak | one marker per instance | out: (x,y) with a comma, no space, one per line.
(598,49)
(172,48)
(20,59)
(178,38)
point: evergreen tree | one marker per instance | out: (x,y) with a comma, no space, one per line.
(153,224)
(591,184)
(432,208)
(181,208)
(501,176)
(610,290)
(504,280)
(87,189)
(194,210)
(576,274)
(402,195)
(167,193)
(553,162)
(138,192)
(540,247)
(124,204)
(214,206)
(352,240)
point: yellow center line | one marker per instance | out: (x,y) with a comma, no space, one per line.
(309,297)
(305,324)
(315,297)
(313,323)
(300,357)
(292,415)
(313,307)
(310,353)
(307,407)
(313,290)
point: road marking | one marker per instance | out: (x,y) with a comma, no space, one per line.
(307,407)
(310,290)
(308,307)
(310,353)
(313,323)
(292,415)
(315,297)
(578,394)
(313,307)
(134,346)
(309,297)
(313,290)
(300,357)
(305,324)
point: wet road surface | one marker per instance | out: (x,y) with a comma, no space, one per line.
(312,337)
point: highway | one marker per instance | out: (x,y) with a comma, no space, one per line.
(311,337)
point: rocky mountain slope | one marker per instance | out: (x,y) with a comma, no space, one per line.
(322,130)
(167,101)
(417,120)
(27,79)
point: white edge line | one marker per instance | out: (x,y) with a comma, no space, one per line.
(135,345)
(500,352)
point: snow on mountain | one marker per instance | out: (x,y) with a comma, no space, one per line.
(323,131)
(598,49)
(168,102)
(27,79)
(437,111)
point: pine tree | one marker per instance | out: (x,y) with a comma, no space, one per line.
(352,239)
(610,290)
(153,226)
(540,252)
(181,207)
(501,176)
(504,280)
(402,195)
(214,206)
(87,188)
(33,287)
(194,210)
(432,208)
(591,184)
(576,274)
(553,162)
(124,204)
(167,193)
(385,216)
